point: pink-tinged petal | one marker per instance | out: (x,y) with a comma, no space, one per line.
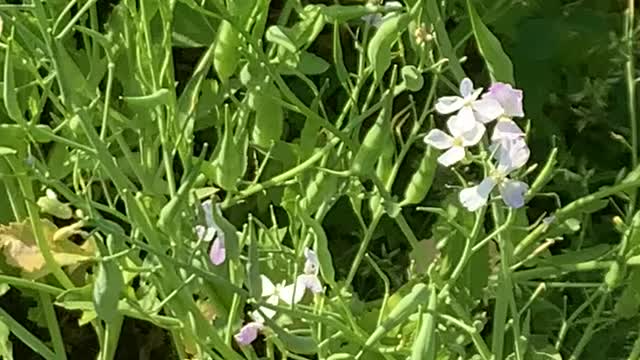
(466,87)
(473,198)
(488,109)
(310,282)
(268,289)
(508,97)
(451,156)
(512,154)
(218,253)
(438,139)
(311,263)
(506,129)
(248,333)
(449,104)
(473,136)
(513,192)
(292,294)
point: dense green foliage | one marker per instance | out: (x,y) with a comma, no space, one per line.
(302,122)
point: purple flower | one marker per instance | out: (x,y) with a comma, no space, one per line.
(248,333)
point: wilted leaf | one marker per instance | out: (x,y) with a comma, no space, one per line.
(21,250)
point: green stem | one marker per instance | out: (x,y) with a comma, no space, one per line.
(589,331)
(111,337)
(364,245)
(631,94)
(52,324)
(26,337)
(505,299)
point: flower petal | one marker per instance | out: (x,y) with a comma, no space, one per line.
(268,312)
(508,97)
(465,120)
(466,87)
(473,198)
(268,289)
(512,154)
(506,129)
(311,263)
(292,294)
(248,333)
(207,209)
(449,104)
(512,192)
(451,156)
(473,136)
(218,253)
(310,282)
(438,139)
(488,109)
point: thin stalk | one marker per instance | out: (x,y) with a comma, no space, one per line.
(111,337)
(590,330)
(505,299)
(52,324)
(629,70)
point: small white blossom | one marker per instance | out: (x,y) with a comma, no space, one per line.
(511,155)
(289,294)
(469,108)
(456,142)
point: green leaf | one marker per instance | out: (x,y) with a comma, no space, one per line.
(311,64)
(280,36)
(106,290)
(498,63)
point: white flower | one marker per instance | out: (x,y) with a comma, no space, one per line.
(376,20)
(455,144)
(511,155)
(506,129)
(289,294)
(309,280)
(470,109)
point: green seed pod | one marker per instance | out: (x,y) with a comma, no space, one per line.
(421,181)
(614,277)
(226,54)
(400,312)
(380,45)
(269,117)
(424,347)
(372,145)
(229,164)
(320,189)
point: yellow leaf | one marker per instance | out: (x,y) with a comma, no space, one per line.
(20,248)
